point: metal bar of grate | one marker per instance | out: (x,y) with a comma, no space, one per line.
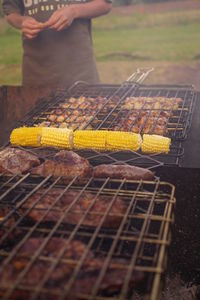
(137,244)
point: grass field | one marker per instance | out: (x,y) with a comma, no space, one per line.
(123,42)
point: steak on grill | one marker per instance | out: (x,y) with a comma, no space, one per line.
(122,171)
(84,281)
(82,203)
(17,161)
(65,163)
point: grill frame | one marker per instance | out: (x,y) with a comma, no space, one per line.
(176,154)
(139,192)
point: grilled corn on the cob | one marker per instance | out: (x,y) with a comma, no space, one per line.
(119,140)
(26,136)
(155,144)
(57,137)
(90,139)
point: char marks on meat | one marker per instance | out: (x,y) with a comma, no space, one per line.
(84,281)
(65,163)
(83,201)
(17,161)
(122,171)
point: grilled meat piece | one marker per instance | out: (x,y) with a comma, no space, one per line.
(84,282)
(79,208)
(52,118)
(73,252)
(8,224)
(65,163)
(74,249)
(44,124)
(154,129)
(153,122)
(17,161)
(122,171)
(60,119)
(112,281)
(152,103)
(64,125)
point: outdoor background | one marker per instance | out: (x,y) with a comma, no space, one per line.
(136,34)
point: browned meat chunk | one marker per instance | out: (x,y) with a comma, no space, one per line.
(83,201)
(84,282)
(10,222)
(17,161)
(74,249)
(154,129)
(122,171)
(143,122)
(152,103)
(65,163)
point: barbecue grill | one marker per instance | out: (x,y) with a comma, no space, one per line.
(137,245)
(144,233)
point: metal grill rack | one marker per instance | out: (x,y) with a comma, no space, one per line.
(137,158)
(120,262)
(107,113)
(178,123)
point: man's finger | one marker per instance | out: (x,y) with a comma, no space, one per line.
(54,18)
(30,31)
(31,23)
(30,36)
(64,24)
(59,23)
(31,26)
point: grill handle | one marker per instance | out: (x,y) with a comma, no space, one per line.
(140,75)
(137,77)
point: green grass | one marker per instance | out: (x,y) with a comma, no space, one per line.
(142,20)
(172,37)
(178,43)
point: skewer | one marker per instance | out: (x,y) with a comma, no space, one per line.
(177,129)
(40,118)
(174,124)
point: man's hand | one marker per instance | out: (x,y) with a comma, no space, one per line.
(61,18)
(30,27)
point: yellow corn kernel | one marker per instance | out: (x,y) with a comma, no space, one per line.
(90,139)
(57,137)
(119,140)
(155,144)
(26,136)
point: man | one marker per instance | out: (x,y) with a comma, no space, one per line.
(57,41)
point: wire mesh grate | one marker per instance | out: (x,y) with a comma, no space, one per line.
(102,239)
(165,111)
(102,107)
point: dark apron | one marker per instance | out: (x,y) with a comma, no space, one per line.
(59,58)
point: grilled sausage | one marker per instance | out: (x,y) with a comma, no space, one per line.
(122,171)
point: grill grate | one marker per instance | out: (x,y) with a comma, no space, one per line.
(108,117)
(108,112)
(135,249)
